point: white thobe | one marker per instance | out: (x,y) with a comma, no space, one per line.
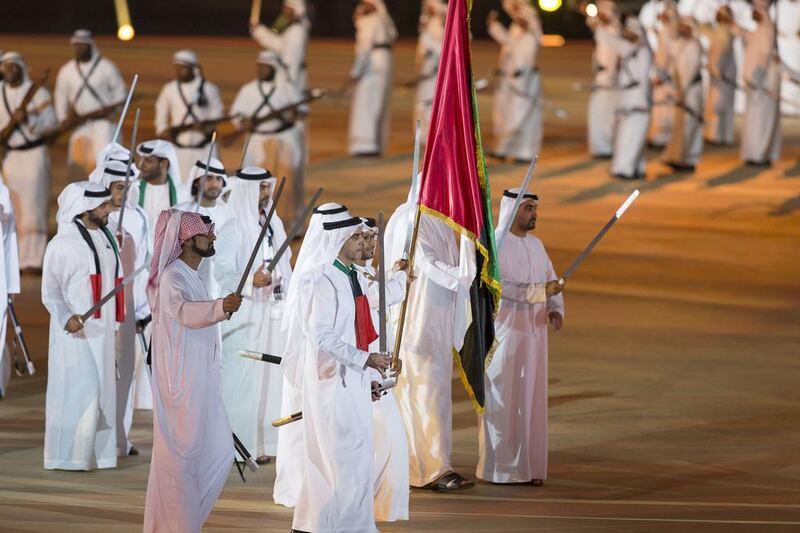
(290,45)
(27,170)
(80,406)
(9,277)
(156,198)
(276,144)
(512,433)
(219,215)
(391,445)
(720,126)
(337,491)
(429,52)
(761,136)
(788,27)
(252,389)
(192,439)
(517,109)
(663,113)
(604,98)
(686,142)
(424,387)
(86,88)
(178,105)
(633,113)
(648,16)
(372,67)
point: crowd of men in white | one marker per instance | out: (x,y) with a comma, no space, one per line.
(170,341)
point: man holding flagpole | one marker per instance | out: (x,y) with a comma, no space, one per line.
(513,429)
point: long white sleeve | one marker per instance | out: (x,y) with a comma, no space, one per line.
(323,317)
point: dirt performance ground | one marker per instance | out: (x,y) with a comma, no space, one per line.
(674,399)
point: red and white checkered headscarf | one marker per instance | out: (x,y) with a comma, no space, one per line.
(173,228)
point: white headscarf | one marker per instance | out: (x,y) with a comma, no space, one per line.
(113,171)
(77,198)
(84,36)
(243,202)
(386,18)
(298,300)
(268,57)
(307,255)
(16,57)
(164,150)
(506,206)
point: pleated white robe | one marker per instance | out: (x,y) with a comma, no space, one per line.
(337,491)
(517,109)
(662,116)
(603,100)
(372,67)
(720,126)
(761,136)
(686,142)
(105,87)
(80,404)
(9,276)
(429,51)
(27,172)
(512,433)
(192,439)
(788,26)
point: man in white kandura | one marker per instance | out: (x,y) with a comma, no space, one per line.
(159,187)
(81,265)
(604,98)
(280,141)
(290,461)
(252,389)
(192,439)
(110,173)
(633,112)
(429,52)
(662,114)
(517,105)
(391,446)
(89,89)
(182,105)
(761,135)
(372,76)
(686,142)
(720,127)
(649,17)
(327,304)
(787,21)
(289,39)
(25,161)
(424,388)
(513,430)
(9,276)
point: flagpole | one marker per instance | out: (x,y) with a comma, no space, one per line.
(398,340)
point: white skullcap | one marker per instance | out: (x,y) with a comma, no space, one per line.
(82,36)
(269,57)
(185,57)
(13,57)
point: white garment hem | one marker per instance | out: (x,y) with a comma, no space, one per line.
(52,464)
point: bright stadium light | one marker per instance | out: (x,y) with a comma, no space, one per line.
(591,10)
(549,5)
(125,30)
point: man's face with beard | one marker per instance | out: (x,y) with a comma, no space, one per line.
(83,52)
(264,195)
(117,192)
(212,186)
(99,215)
(12,73)
(266,72)
(152,167)
(183,73)
(203,245)
(370,242)
(526,216)
(353,248)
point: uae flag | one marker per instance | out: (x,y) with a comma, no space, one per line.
(455,189)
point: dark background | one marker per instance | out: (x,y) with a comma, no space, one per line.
(330,18)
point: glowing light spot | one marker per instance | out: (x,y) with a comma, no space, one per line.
(591,10)
(125,32)
(552,40)
(549,5)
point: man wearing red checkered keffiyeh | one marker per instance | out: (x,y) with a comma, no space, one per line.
(192,444)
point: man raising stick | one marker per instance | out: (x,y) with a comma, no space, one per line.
(192,444)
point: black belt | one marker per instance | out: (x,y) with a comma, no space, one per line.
(279,130)
(387,46)
(201,144)
(27,146)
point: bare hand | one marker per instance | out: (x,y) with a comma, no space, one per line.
(376,393)
(74,324)
(553,287)
(231,303)
(492,16)
(380,362)
(400,264)
(556,320)
(261,278)
(20,116)
(396,369)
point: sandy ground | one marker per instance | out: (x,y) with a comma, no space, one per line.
(674,402)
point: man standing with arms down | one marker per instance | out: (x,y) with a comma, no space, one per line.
(81,265)
(26,167)
(192,442)
(330,308)
(9,275)
(88,84)
(513,429)
(182,105)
